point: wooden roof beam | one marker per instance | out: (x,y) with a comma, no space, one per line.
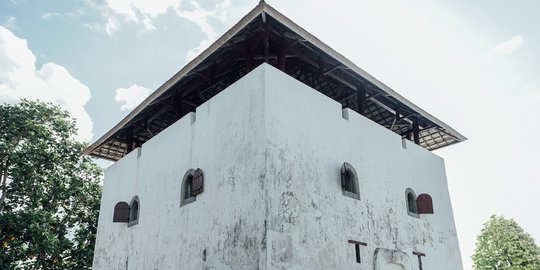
(316,66)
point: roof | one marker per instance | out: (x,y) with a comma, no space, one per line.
(265,35)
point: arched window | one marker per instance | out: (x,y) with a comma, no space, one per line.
(192,185)
(410,196)
(135,206)
(349,181)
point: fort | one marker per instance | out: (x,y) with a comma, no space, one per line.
(272,151)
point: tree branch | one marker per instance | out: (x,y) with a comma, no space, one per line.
(5,171)
(4,177)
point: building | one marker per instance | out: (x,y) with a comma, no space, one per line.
(272,151)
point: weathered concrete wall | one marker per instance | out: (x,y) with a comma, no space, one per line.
(224,227)
(311,221)
(271,150)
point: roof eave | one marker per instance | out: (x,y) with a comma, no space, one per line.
(262,7)
(179,75)
(353,67)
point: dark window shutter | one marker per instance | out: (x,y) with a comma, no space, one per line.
(121,212)
(424,204)
(197,184)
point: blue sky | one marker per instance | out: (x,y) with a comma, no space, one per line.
(473,64)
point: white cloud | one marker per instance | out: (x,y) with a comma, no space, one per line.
(192,53)
(76,13)
(111,26)
(20,78)
(11,23)
(201,17)
(133,9)
(142,12)
(129,11)
(71,14)
(145,12)
(131,97)
(49,15)
(506,47)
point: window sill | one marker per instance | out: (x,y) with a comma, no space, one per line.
(188,201)
(351,195)
(133,223)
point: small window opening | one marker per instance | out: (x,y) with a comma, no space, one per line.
(189,187)
(410,196)
(411,202)
(192,185)
(357,245)
(349,181)
(134,212)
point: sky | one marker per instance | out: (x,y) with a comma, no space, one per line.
(473,64)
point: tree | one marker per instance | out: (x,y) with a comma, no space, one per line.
(50,193)
(503,245)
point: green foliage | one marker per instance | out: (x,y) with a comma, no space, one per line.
(50,192)
(503,245)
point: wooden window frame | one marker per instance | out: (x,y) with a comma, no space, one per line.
(348,174)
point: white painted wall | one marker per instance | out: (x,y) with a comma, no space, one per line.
(271,150)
